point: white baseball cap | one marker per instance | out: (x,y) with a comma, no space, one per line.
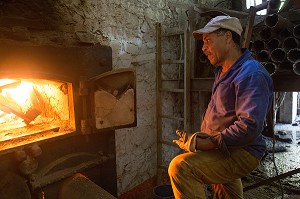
(226,22)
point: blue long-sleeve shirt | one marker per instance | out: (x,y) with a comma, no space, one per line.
(240,101)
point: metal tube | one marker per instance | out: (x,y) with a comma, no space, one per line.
(296,31)
(263,56)
(273,44)
(293,55)
(296,68)
(273,6)
(258,45)
(266,33)
(290,43)
(262,6)
(287,5)
(270,67)
(285,66)
(277,22)
(278,55)
(285,33)
(272,179)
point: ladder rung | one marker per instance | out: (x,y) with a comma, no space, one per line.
(170,34)
(168,143)
(173,80)
(179,61)
(163,167)
(173,117)
(175,90)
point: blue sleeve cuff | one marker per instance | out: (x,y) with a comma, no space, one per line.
(219,142)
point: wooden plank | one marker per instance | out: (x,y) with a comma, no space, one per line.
(249,27)
(10,85)
(187,71)
(158,102)
(9,106)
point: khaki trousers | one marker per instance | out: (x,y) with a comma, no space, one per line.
(189,172)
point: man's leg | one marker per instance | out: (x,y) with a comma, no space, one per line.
(185,183)
(244,163)
(190,171)
(231,190)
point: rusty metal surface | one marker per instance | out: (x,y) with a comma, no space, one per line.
(93,155)
(50,174)
(79,186)
(52,62)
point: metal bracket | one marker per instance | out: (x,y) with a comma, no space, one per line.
(83,88)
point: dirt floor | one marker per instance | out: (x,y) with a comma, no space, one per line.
(286,150)
(287,159)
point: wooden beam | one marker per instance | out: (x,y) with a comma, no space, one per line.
(286,83)
(10,85)
(187,69)
(158,101)
(249,28)
(203,10)
(272,179)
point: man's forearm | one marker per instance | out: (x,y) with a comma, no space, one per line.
(204,144)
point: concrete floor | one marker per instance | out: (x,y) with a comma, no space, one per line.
(285,161)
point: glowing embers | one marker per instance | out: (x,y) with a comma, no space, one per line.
(20,99)
(36,108)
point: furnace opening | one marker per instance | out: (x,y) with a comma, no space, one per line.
(34,109)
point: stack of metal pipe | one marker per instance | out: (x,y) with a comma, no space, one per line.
(278,45)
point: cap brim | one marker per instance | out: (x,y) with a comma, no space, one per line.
(198,33)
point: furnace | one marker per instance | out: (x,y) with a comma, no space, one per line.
(59,107)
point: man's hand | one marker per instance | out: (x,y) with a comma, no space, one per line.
(186,141)
(203,142)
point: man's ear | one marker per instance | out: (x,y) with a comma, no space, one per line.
(228,36)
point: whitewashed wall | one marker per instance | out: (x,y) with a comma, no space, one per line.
(128,26)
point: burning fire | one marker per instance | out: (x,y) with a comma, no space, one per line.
(19,94)
(29,106)
(18,97)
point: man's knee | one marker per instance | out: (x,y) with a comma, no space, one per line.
(176,165)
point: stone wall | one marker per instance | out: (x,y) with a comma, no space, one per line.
(128,26)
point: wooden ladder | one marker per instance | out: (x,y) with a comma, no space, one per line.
(163,85)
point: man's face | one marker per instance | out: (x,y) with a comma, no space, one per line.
(214,47)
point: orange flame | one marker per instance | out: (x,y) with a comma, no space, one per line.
(20,94)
